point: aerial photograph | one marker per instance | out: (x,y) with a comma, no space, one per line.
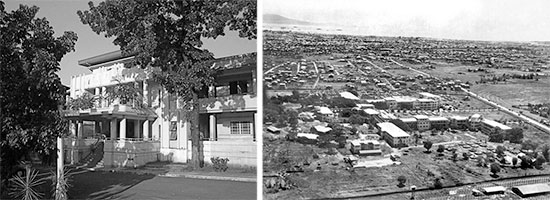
(399,99)
(126,99)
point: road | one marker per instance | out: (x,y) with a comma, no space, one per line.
(270,70)
(509,112)
(415,70)
(318,75)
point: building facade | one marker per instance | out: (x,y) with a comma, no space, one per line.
(154,125)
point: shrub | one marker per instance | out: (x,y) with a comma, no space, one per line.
(24,187)
(219,164)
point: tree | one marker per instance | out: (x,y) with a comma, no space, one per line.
(515,135)
(455,156)
(168,35)
(357,119)
(440,148)
(546,152)
(496,137)
(500,150)
(539,161)
(529,145)
(31,93)
(495,168)
(526,162)
(514,161)
(428,145)
(437,183)
(465,156)
(401,179)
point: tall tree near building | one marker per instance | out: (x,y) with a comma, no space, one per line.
(168,35)
(31,93)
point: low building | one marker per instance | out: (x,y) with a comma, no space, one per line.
(325,112)
(458,122)
(531,190)
(474,121)
(426,104)
(320,129)
(348,95)
(494,190)
(423,122)
(439,122)
(393,135)
(273,129)
(365,147)
(489,126)
(306,116)
(411,122)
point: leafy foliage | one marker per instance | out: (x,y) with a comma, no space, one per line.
(428,145)
(24,187)
(62,189)
(168,35)
(495,168)
(30,90)
(85,101)
(219,164)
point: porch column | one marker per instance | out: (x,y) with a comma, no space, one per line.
(73,127)
(136,129)
(113,128)
(80,129)
(145,129)
(254,126)
(104,102)
(212,123)
(123,128)
(97,93)
(145,93)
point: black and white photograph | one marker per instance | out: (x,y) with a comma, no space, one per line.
(398,99)
(126,99)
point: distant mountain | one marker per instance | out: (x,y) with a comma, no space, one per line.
(278,19)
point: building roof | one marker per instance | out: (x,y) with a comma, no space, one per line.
(364,105)
(322,129)
(421,117)
(495,124)
(386,115)
(526,190)
(349,95)
(325,110)
(408,119)
(459,118)
(371,111)
(273,129)
(437,118)
(429,95)
(494,189)
(310,136)
(392,130)
(103,58)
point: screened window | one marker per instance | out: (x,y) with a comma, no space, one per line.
(242,127)
(173,130)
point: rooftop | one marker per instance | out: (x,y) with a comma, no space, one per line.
(421,117)
(325,110)
(532,189)
(310,136)
(392,130)
(495,124)
(349,95)
(371,111)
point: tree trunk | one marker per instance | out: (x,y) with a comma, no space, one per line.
(197,158)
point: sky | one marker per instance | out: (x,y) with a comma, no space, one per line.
(62,17)
(494,20)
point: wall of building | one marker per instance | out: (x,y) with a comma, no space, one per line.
(120,153)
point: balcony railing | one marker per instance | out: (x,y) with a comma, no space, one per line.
(241,102)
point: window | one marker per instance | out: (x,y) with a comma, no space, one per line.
(238,87)
(240,127)
(173,130)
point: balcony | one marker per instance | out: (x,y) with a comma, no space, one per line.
(240,102)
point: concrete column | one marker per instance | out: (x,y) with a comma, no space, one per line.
(97,93)
(73,127)
(104,102)
(212,124)
(253,128)
(123,128)
(145,93)
(137,126)
(113,128)
(80,129)
(145,127)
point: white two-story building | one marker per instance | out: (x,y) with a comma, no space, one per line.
(154,126)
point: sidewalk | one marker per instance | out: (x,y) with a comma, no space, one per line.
(180,170)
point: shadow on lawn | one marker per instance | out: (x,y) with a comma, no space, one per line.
(104,184)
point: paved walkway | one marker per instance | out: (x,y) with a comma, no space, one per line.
(179,170)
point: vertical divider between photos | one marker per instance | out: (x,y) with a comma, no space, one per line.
(260,93)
